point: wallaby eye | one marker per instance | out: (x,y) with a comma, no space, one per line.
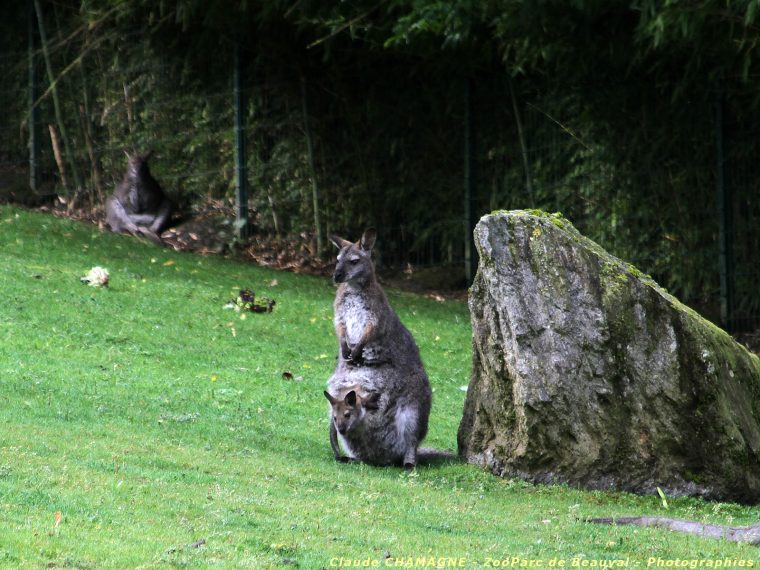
(353,261)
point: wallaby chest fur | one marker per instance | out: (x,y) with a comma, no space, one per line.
(358,310)
(377,354)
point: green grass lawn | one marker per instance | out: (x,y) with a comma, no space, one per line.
(139,420)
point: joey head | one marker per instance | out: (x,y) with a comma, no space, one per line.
(347,410)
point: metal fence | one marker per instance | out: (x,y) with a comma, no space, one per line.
(550,166)
(738,185)
(498,149)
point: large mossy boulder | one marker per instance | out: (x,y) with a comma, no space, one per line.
(586,372)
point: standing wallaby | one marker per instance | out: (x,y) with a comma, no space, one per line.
(138,205)
(378,355)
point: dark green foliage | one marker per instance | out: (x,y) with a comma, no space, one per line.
(615,101)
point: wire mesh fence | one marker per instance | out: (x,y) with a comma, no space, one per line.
(398,162)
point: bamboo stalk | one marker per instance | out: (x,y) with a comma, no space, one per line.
(523,146)
(56,102)
(57,154)
(312,171)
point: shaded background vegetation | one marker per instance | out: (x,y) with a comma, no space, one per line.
(605,110)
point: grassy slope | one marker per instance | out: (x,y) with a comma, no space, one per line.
(137,414)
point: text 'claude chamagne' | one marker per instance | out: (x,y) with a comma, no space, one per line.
(518,562)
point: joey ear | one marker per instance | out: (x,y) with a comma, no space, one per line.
(368,239)
(351,398)
(329,397)
(339,242)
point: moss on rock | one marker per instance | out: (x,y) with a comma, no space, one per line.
(586,371)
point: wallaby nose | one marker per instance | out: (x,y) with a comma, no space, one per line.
(342,430)
(338,276)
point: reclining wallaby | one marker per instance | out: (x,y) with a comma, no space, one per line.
(138,205)
(378,355)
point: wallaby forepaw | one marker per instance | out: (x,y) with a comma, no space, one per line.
(409,465)
(344,459)
(356,357)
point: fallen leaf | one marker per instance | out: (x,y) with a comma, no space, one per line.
(274,283)
(168,263)
(57,516)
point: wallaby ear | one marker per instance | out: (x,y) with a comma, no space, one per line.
(370,402)
(368,239)
(147,155)
(351,398)
(329,397)
(339,242)
(129,156)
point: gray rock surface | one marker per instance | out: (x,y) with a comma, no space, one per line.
(586,372)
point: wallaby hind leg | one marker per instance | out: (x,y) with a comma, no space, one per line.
(117,217)
(410,458)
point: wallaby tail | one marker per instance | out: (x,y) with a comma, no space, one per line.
(430,456)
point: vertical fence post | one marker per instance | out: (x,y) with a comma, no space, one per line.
(34,115)
(725,222)
(241,171)
(470,187)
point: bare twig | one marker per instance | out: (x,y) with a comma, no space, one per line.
(347,25)
(565,128)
